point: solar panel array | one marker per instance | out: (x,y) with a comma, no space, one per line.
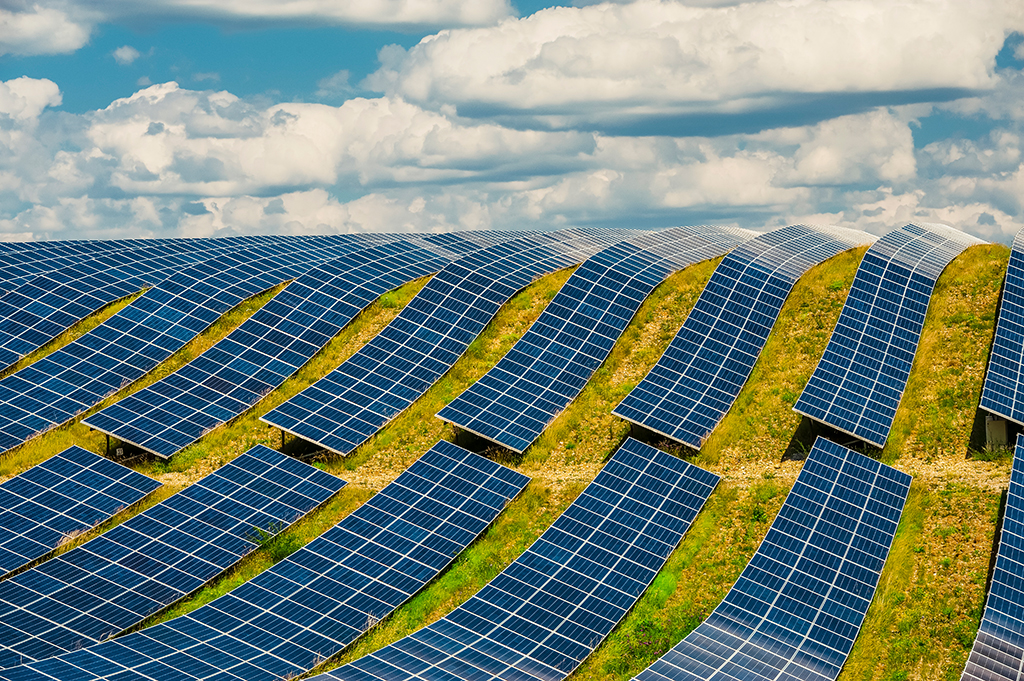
(547,368)
(795,611)
(59,498)
(122,349)
(349,405)
(545,613)
(1003,394)
(998,651)
(157,557)
(860,379)
(34,258)
(291,617)
(265,350)
(695,382)
(41,309)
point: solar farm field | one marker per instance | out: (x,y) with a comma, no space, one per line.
(922,620)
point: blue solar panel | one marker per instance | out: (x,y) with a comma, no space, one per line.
(309,606)
(795,611)
(998,651)
(122,349)
(695,382)
(21,265)
(1003,394)
(59,498)
(38,311)
(860,379)
(547,368)
(157,557)
(542,616)
(265,350)
(349,405)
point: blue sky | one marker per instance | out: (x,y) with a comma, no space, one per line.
(207,117)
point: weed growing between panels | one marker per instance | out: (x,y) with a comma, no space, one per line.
(747,450)
(561,463)
(931,595)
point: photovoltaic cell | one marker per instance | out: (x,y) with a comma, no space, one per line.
(1003,394)
(63,496)
(695,382)
(68,381)
(265,350)
(155,558)
(311,605)
(349,405)
(860,378)
(795,611)
(998,651)
(545,613)
(41,309)
(547,368)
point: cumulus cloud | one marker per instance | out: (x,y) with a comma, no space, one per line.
(125,55)
(607,64)
(41,29)
(173,161)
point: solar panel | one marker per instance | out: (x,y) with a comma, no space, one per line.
(265,350)
(1002,393)
(346,407)
(21,265)
(309,606)
(547,368)
(157,557)
(695,382)
(59,498)
(68,381)
(998,651)
(38,311)
(796,609)
(860,378)
(545,613)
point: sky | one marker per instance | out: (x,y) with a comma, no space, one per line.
(215,117)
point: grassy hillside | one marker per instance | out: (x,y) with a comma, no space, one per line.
(923,620)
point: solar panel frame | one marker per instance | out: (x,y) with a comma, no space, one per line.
(312,604)
(548,367)
(345,408)
(859,381)
(157,557)
(270,346)
(67,494)
(695,382)
(796,609)
(546,612)
(998,649)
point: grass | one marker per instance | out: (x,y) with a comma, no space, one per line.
(923,620)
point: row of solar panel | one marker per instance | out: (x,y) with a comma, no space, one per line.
(684,396)
(538,619)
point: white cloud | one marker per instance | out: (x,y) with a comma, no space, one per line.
(25,98)
(171,161)
(38,29)
(335,86)
(399,13)
(125,55)
(610,63)
(211,76)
